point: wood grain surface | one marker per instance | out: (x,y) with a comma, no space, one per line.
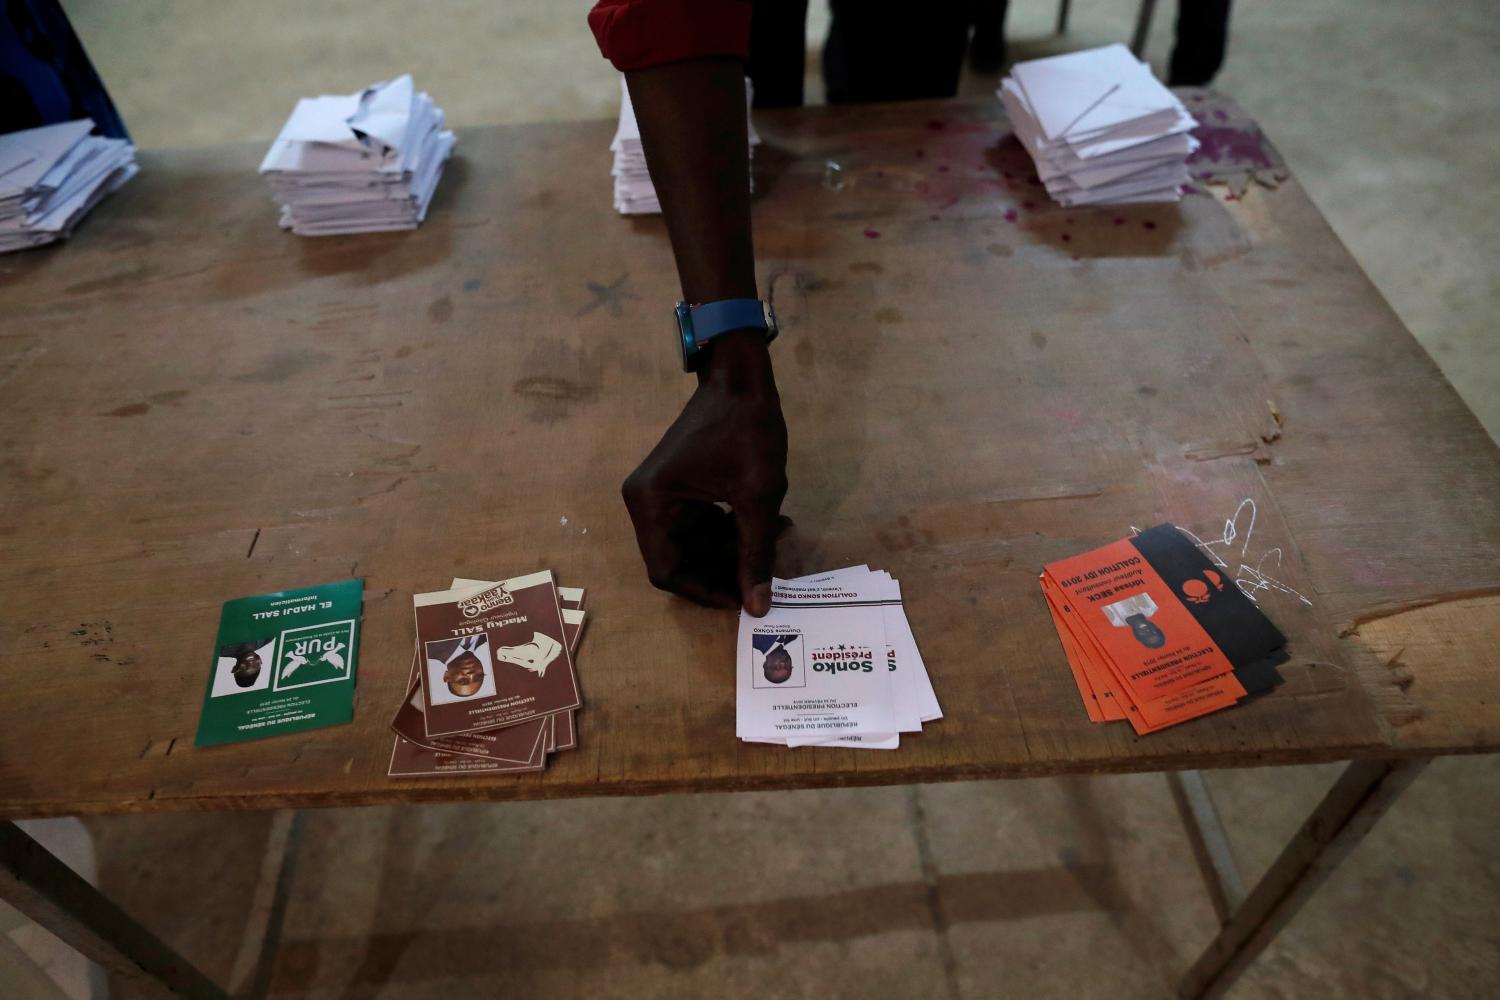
(197,407)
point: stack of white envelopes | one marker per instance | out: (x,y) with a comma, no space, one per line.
(634,192)
(832,664)
(359,163)
(51,177)
(1101,128)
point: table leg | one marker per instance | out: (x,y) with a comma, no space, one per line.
(52,895)
(1360,797)
(1209,841)
(253,966)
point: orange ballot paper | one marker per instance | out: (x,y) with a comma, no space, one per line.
(1154,633)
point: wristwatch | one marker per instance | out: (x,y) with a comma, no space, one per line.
(698,325)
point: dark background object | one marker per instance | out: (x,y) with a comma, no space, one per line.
(45,76)
(877,50)
(778,52)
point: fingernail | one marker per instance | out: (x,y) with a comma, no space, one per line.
(760,600)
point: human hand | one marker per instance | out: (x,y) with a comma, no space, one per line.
(728,445)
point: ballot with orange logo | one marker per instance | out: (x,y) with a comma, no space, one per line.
(1156,634)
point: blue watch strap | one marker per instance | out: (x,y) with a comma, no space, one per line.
(714,318)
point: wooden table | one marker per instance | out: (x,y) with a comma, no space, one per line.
(197,406)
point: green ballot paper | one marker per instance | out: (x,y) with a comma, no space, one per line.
(283,662)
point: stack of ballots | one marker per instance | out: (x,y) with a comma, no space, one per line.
(1101,128)
(832,664)
(634,192)
(51,177)
(358,163)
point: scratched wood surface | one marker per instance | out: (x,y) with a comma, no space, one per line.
(197,406)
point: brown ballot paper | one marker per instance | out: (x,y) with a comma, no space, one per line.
(510,744)
(411,761)
(493,656)
(573,615)
(498,751)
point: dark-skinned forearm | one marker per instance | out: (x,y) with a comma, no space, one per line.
(692,120)
(729,443)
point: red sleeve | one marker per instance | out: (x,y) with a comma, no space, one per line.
(634,34)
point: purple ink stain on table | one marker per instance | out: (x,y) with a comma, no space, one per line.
(1149,224)
(872,234)
(921,153)
(942,168)
(1119,220)
(1011,215)
(936,126)
(1067,238)
(1230,147)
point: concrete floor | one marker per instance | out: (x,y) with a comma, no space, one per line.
(1079,887)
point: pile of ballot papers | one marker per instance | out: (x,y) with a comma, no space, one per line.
(1100,127)
(358,163)
(1156,633)
(634,193)
(53,176)
(493,687)
(833,663)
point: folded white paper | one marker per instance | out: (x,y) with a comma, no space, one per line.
(52,177)
(1100,128)
(357,163)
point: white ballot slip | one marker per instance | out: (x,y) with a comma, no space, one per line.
(814,666)
(821,598)
(915,700)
